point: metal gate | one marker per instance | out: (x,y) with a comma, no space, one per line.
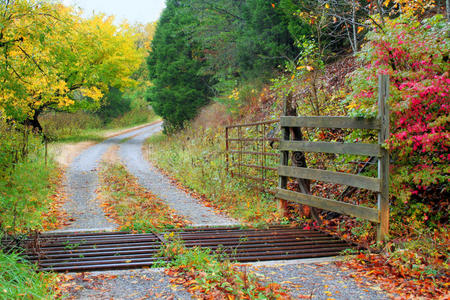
(252,153)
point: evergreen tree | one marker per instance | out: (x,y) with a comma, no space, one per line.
(265,41)
(178,90)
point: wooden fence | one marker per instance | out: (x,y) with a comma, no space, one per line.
(380,185)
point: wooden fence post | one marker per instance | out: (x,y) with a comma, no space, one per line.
(46,150)
(383,161)
(284,161)
(227,158)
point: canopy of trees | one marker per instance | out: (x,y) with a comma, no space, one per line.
(51,57)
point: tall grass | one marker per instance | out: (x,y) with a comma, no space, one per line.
(24,184)
(19,280)
(134,117)
(62,125)
(195,158)
(83,126)
(24,195)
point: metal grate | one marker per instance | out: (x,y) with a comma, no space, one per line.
(96,251)
(110,251)
(276,243)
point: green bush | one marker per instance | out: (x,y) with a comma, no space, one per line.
(415,55)
(136,116)
(115,104)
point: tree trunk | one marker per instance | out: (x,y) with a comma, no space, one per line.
(34,121)
(448,9)
(355,38)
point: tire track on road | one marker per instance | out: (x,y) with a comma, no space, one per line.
(149,177)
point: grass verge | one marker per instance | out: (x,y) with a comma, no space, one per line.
(207,275)
(132,206)
(80,127)
(19,280)
(194,157)
(27,196)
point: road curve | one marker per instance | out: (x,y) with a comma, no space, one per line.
(82,182)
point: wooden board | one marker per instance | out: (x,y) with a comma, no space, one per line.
(327,147)
(364,182)
(330,122)
(367,213)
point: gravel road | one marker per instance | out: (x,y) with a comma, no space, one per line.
(82,181)
(149,177)
(323,280)
(127,284)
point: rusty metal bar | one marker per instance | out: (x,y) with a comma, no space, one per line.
(253,124)
(253,178)
(255,153)
(240,148)
(251,140)
(257,167)
(227,153)
(254,139)
(263,158)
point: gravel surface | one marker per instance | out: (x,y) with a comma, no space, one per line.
(128,284)
(149,177)
(82,181)
(316,281)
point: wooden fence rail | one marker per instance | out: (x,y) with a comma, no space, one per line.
(379,215)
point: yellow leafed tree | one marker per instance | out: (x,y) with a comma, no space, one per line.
(51,57)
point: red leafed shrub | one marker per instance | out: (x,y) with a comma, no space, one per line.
(416,56)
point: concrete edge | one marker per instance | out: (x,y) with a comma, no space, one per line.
(120,272)
(83,230)
(271,263)
(275,263)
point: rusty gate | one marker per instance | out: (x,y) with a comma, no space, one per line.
(251,153)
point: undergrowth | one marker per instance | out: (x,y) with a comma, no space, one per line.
(194,157)
(26,185)
(81,126)
(130,205)
(19,280)
(209,275)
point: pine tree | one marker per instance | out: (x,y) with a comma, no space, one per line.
(178,91)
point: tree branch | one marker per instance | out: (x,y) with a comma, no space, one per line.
(32,59)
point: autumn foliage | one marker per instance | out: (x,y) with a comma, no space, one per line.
(415,55)
(131,206)
(51,57)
